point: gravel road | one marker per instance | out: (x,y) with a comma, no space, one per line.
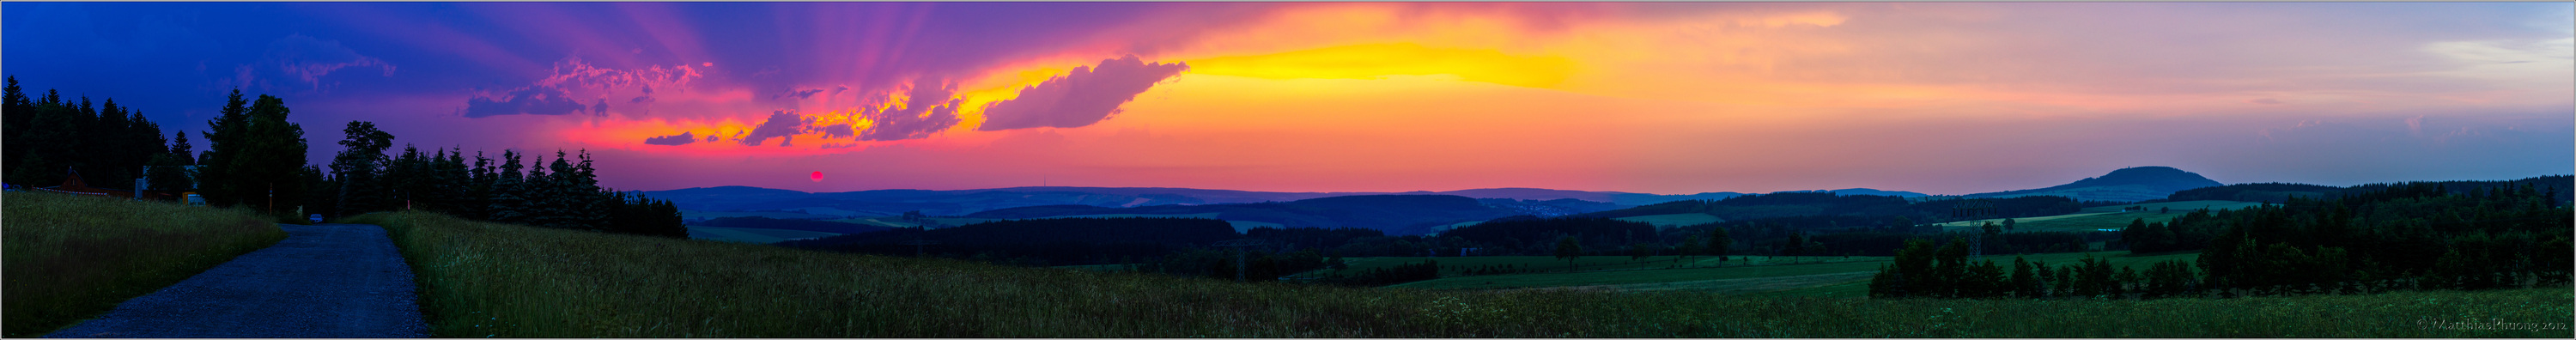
(323,281)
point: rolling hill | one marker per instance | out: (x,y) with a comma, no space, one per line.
(1798,204)
(1393,214)
(2124,185)
(707,201)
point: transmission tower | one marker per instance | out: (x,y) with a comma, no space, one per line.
(1972,210)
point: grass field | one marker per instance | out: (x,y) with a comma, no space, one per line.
(752,235)
(897,222)
(834,211)
(2180,207)
(1239,226)
(1674,220)
(786,215)
(70,257)
(890,222)
(1453,266)
(2108,217)
(1757,275)
(483,279)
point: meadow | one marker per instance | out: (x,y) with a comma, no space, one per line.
(2105,217)
(71,257)
(483,279)
(898,222)
(1674,220)
(784,215)
(752,235)
(1239,226)
(1752,274)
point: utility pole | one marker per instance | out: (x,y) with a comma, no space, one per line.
(917,242)
(1238,245)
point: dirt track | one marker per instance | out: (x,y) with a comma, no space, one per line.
(323,281)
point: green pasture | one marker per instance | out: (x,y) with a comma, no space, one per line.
(1239,226)
(1674,220)
(752,235)
(898,222)
(2180,207)
(2109,217)
(784,215)
(491,280)
(1810,276)
(889,222)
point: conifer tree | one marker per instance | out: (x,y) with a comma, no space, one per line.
(508,202)
(540,186)
(2025,283)
(1984,279)
(1569,249)
(478,191)
(591,203)
(16,115)
(257,157)
(359,168)
(1718,242)
(215,180)
(185,154)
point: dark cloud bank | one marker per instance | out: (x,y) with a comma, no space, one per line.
(684,138)
(531,101)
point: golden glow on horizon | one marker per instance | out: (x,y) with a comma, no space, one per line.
(1376,61)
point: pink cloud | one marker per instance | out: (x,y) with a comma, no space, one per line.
(1085,96)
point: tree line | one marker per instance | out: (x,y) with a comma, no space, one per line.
(1921,270)
(109,144)
(1038,242)
(1878,210)
(2372,238)
(561,193)
(255,159)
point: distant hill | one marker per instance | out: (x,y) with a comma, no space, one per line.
(805,225)
(960,202)
(1393,214)
(1042,242)
(896,202)
(1801,204)
(1864,191)
(2563,185)
(1613,197)
(2126,185)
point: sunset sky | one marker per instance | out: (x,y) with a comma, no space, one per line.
(1670,98)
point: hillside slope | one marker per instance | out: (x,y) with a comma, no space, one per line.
(1393,214)
(960,202)
(494,280)
(1795,204)
(2125,185)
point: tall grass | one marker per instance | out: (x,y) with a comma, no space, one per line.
(483,279)
(71,257)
